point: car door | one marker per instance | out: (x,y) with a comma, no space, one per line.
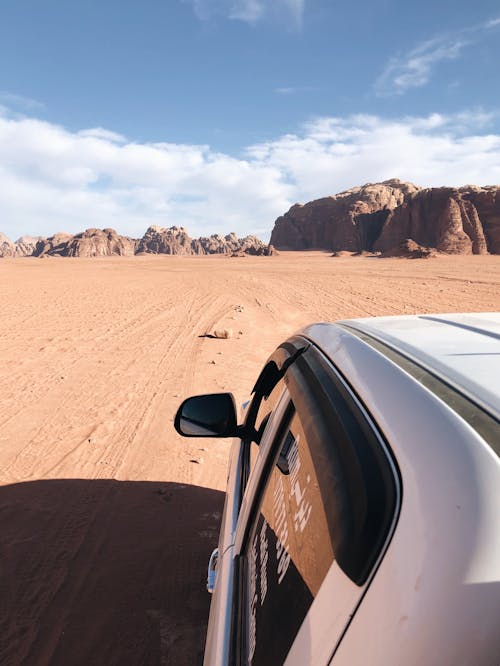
(318,510)
(262,417)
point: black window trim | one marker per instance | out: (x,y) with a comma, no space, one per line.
(272,373)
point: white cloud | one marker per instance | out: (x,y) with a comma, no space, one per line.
(19,102)
(333,154)
(250,11)
(492,23)
(101,133)
(415,68)
(247,10)
(52,179)
(294,90)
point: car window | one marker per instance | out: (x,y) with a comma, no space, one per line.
(329,495)
(266,407)
(289,552)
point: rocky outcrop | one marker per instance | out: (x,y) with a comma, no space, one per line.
(25,245)
(7,247)
(382,217)
(175,240)
(462,220)
(410,250)
(53,245)
(349,221)
(89,243)
(100,243)
(156,240)
(232,245)
(159,240)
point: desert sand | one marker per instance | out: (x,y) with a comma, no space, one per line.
(107,516)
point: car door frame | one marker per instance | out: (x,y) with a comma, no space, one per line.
(219,640)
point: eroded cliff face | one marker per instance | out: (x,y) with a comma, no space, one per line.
(23,247)
(89,243)
(382,217)
(176,240)
(7,247)
(462,220)
(159,240)
(351,220)
(156,240)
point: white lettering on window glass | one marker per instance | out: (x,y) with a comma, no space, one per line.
(252,630)
(264,556)
(281,530)
(303,507)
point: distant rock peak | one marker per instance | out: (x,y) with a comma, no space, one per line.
(175,240)
(157,240)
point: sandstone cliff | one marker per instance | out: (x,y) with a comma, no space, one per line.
(233,245)
(176,240)
(463,220)
(25,245)
(156,240)
(351,220)
(7,247)
(89,243)
(382,217)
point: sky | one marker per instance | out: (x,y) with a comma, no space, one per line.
(218,115)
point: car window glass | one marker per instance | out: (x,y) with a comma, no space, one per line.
(266,407)
(329,493)
(288,554)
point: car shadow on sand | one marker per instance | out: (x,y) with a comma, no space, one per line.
(105,572)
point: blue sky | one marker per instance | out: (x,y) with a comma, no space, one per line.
(219,114)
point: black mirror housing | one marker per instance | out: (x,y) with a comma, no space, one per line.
(210,415)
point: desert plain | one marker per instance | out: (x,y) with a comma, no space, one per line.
(107,516)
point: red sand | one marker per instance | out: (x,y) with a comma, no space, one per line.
(106,523)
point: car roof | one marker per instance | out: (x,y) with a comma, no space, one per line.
(462,349)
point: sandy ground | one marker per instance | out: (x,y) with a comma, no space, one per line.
(107,517)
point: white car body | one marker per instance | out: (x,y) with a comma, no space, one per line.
(430,388)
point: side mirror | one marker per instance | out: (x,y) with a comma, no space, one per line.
(212,415)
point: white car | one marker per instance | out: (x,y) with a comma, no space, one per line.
(362,515)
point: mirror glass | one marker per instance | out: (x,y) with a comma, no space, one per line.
(212,415)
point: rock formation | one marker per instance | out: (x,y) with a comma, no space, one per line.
(381,217)
(89,243)
(53,245)
(463,220)
(175,240)
(7,247)
(25,245)
(158,240)
(409,250)
(392,218)
(349,221)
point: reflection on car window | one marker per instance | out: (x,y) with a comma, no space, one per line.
(267,406)
(330,493)
(288,554)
